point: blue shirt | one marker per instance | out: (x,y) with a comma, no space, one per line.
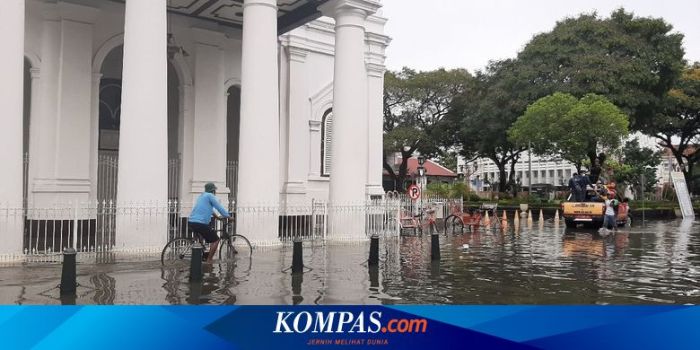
(204,209)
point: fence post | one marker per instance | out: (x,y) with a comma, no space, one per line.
(397,232)
(325,221)
(313,219)
(75,227)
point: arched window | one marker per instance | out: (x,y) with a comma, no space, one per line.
(327,134)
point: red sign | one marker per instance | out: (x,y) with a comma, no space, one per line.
(414,192)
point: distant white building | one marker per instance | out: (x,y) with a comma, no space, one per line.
(553,171)
(549,170)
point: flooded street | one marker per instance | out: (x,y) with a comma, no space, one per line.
(548,264)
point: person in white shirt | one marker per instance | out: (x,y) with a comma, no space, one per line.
(609,221)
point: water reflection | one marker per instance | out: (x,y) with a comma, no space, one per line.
(540,264)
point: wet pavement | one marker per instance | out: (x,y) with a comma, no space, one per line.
(658,263)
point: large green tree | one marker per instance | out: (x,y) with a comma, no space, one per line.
(633,61)
(572,128)
(415,106)
(484,112)
(677,125)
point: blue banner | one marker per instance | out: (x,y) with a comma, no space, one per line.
(387,327)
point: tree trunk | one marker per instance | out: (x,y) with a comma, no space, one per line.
(403,171)
(502,178)
(511,178)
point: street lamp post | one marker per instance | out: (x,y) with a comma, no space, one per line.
(460,174)
(421,175)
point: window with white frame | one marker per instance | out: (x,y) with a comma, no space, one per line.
(327,135)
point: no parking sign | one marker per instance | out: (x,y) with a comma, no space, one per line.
(414,192)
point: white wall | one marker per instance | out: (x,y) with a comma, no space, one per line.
(67,149)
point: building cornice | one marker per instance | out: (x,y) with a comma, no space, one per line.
(331,8)
(297,54)
(70,11)
(376,70)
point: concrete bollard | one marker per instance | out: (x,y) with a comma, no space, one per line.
(196,263)
(297,281)
(68,274)
(373,276)
(374,251)
(297,256)
(435,246)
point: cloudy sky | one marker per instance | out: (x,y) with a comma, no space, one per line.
(428,34)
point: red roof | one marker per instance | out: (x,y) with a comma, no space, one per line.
(431,168)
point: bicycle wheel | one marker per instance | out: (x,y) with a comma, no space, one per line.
(177,252)
(236,246)
(453,224)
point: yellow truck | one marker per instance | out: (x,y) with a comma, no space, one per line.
(591,214)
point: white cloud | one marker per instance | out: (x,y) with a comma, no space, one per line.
(454,33)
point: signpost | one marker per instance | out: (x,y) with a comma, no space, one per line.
(682,194)
(414,192)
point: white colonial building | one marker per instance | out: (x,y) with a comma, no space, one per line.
(539,170)
(144,101)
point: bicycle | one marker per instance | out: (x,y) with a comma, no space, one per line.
(179,250)
(473,217)
(416,222)
(431,223)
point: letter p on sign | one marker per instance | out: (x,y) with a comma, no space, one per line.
(414,192)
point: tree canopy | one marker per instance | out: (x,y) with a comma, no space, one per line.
(635,162)
(677,125)
(633,61)
(483,114)
(415,104)
(572,128)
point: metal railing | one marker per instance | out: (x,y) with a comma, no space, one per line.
(108,170)
(93,228)
(443,206)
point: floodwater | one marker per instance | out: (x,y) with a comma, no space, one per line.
(654,264)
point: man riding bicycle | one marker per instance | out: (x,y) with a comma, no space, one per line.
(201,217)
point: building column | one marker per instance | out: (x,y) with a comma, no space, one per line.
(375,128)
(61,132)
(258,173)
(12,105)
(297,127)
(314,144)
(377,44)
(143,134)
(349,147)
(94,134)
(209,152)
